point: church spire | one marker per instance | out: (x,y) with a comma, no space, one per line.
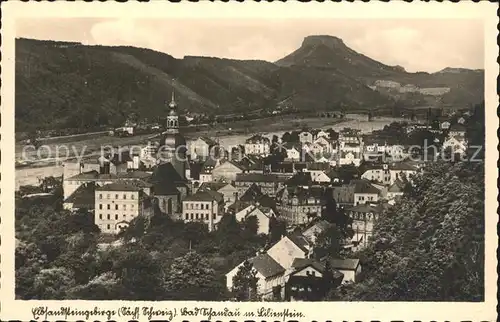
(173,104)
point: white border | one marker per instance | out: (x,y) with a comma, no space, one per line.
(21,310)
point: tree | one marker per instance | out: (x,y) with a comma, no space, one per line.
(245,283)
(286,137)
(430,245)
(191,278)
(53,283)
(329,210)
(277,229)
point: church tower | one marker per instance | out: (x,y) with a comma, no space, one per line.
(173,147)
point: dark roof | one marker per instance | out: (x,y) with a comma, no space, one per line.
(85,175)
(83,197)
(205,196)
(213,186)
(165,173)
(300,179)
(256,177)
(300,263)
(344,264)
(165,189)
(402,166)
(258,138)
(208,140)
(299,240)
(364,186)
(119,186)
(266,265)
(344,194)
(253,193)
(397,186)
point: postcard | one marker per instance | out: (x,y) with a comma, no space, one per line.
(248,161)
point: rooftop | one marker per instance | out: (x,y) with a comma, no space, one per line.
(205,196)
(266,265)
(256,177)
(119,186)
(84,196)
(344,264)
(397,186)
(364,186)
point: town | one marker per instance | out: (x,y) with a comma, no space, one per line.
(313,196)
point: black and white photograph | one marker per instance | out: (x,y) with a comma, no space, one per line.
(250,159)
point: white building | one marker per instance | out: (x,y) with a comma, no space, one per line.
(257,145)
(203,206)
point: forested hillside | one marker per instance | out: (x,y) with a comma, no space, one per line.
(69,85)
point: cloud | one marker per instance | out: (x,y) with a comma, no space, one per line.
(417,45)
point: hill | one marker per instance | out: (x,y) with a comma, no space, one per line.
(69,85)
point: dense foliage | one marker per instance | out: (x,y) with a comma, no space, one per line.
(430,245)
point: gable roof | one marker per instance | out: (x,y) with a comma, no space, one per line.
(365,208)
(213,186)
(119,186)
(257,138)
(84,196)
(318,226)
(253,193)
(397,186)
(364,186)
(344,264)
(300,179)
(300,241)
(89,175)
(240,167)
(266,265)
(301,263)
(207,140)
(205,196)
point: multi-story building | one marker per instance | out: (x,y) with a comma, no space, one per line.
(299,205)
(257,145)
(116,204)
(202,147)
(363,218)
(268,183)
(226,171)
(204,206)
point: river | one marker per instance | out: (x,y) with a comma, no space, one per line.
(30,176)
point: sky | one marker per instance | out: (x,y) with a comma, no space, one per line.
(416,44)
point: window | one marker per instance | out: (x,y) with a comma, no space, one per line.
(100,206)
(109,207)
(124,216)
(192,216)
(124,207)
(313,273)
(206,217)
(116,217)
(109,217)
(100,216)
(132,196)
(116,207)
(197,216)
(107,196)
(109,227)
(116,196)
(100,196)
(187,216)
(124,196)
(132,206)
(213,216)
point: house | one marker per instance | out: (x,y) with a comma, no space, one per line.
(461,120)
(322,134)
(203,206)
(268,183)
(455,144)
(300,179)
(82,198)
(457,130)
(257,145)
(293,151)
(262,214)
(269,273)
(116,204)
(202,147)
(299,205)
(363,219)
(315,229)
(226,171)
(305,281)
(364,192)
(305,137)
(378,173)
(445,125)
(228,190)
(349,267)
(400,169)
(288,248)
(319,176)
